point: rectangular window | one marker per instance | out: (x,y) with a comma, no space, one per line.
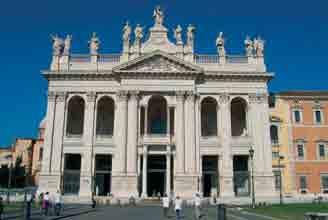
(303,182)
(300,151)
(324,183)
(322,152)
(275,155)
(297,116)
(277,177)
(318,118)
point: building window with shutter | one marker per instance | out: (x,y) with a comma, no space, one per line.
(322,151)
(303,184)
(324,183)
(318,116)
(297,116)
(300,151)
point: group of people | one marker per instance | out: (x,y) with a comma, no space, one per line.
(48,201)
(178,204)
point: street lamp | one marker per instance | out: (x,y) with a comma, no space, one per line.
(251,154)
(280,179)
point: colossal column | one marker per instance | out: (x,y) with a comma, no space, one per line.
(88,134)
(144,172)
(179,133)
(227,158)
(168,170)
(190,154)
(120,133)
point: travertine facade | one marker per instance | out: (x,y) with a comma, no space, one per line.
(157,118)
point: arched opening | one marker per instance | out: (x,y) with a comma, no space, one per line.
(157,115)
(238,117)
(75,116)
(105,116)
(274,134)
(209,117)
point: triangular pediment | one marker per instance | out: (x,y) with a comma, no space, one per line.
(157,62)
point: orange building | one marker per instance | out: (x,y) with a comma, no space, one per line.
(308,111)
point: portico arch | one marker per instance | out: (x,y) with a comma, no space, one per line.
(209,117)
(238,107)
(105,116)
(75,116)
(157,115)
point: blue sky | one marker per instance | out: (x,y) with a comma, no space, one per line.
(296,34)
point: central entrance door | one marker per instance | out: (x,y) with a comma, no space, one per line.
(210,176)
(156,171)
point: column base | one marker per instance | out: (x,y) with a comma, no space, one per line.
(125,186)
(226,186)
(264,186)
(49,182)
(86,186)
(186,186)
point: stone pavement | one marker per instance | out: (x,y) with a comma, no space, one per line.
(155,213)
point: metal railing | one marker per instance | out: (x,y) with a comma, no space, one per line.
(109,58)
(80,58)
(206,59)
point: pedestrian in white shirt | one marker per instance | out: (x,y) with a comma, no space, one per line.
(58,202)
(197,204)
(166,205)
(178,207)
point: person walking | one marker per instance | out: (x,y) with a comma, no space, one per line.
(46,203)
(197,204)
(178,207)
(1,208)
(58,203)
(166,205)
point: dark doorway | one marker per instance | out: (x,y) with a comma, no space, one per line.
(103,171)
(210,176)
(156,175)
(241,177)
(71,175)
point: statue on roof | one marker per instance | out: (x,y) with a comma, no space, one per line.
(138,32)
(57,45)
(94,44)
(158,15)
(178,34)
(220,45)
(67,44)
(249,46)
(126,32)
(259,47)
(190,35)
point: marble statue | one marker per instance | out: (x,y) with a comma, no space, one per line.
(220,45)
(67,44)
(178,34)
(259,47)
(57,45)
(249,46)
(94,44)
(159,16)
(190,35)
(126,32)
(138,33)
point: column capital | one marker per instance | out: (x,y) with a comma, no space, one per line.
(91,96)
(224,98)
(51,96)
(258,98)
(190,95)
(134,94)
(180,95)
(122,95)
(61,96)
(145,150)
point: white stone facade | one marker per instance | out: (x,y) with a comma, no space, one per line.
(149,74)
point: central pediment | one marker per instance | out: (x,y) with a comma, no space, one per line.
(157,62)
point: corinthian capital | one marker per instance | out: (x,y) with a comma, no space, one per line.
(51,96)
(134,94)
(61,96)
(91,96)
(258,98)
(190,95)
(122,95)
(224,98)
(180,95)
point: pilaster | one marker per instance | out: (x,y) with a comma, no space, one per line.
(179,133)
(190,154)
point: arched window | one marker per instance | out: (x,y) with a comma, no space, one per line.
(75,116)
(238,117)
(105,116)
(157,115)
(274,134)
(209,117)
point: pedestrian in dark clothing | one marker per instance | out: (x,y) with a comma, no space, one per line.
(1,208)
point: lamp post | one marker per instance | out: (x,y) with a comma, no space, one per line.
(280,179)
(251,154)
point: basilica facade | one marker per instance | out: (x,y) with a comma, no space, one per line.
(157,118)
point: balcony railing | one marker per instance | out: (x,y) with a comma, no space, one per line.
(109,58)
(236,59)
(206,59)
(80,58)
